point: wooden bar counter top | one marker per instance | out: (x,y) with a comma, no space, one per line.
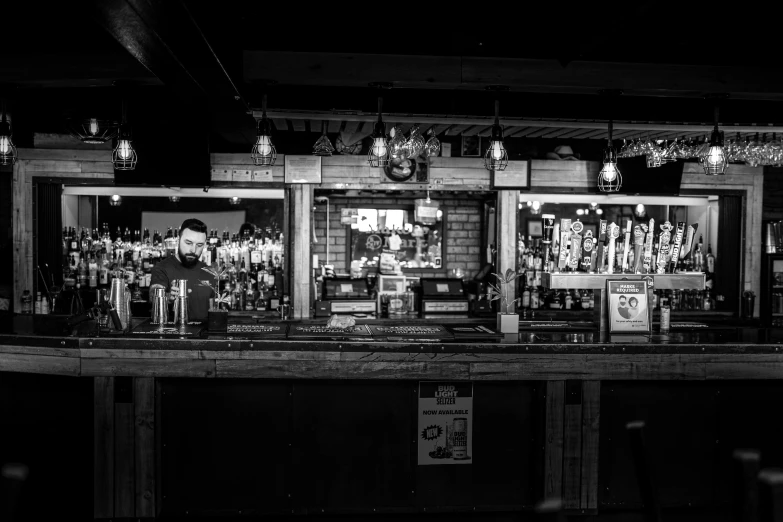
(732,353)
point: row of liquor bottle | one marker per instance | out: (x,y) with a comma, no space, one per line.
(568,246)
(534,298)
(91,260)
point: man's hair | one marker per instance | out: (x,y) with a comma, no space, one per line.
(196,225)
(622,297)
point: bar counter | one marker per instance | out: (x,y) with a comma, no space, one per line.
(240,427)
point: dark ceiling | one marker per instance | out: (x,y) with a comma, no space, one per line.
(208,57)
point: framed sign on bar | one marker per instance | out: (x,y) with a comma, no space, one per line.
(303,169)
(515,176)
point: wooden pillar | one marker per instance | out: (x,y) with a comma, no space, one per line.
(506,235)
(124,447)
(571,444)
(22,233)
(301,198)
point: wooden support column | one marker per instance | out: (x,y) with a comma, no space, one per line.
(23,233)
(124,448)
(301,198)
(571,444)
(506,235)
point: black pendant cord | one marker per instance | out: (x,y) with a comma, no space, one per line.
(263,106)
(380,109)
(323,127)
(3,109)
(497,112)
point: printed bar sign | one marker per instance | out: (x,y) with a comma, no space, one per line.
(628,308)
(445,432)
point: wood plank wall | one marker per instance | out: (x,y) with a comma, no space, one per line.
(352,172)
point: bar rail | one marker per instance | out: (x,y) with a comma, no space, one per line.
(284,359)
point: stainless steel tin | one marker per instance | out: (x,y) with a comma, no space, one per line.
(181,311)
(160,307)
(119,298)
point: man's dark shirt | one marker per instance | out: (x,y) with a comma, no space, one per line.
(170,269)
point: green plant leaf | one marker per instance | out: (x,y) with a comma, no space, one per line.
(510,275)
(500,278)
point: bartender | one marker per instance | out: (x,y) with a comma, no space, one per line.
(186,264)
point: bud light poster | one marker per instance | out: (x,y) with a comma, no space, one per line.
(628,308)
(445,431)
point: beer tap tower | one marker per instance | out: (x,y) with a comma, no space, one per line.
(565,277)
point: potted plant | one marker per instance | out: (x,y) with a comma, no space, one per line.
(217,316)
(507,318)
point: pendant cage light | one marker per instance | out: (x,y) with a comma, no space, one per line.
(323,147)
(610,179)
(115,200)
(263,152)
(496,157)
(714,160)
(124,156)
(92,131)
(379,154)
(8,152)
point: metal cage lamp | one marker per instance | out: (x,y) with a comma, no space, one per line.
(379,154)
(496,157)
(610,179)
(7,149)
(124,156)
(263,152)
(714,160)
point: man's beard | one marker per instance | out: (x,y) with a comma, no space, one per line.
(187,260)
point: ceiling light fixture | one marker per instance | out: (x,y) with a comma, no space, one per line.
(116,200)
(174,199)
(323,147)
(7,150)
(714,161)
(379,154)
(92,131)
(124,156)
(235,200)
(610,179)
(263,152)
(496,157)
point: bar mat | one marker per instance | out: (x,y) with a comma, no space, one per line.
(415,333)
(148,329)
(477,332)
(324,333)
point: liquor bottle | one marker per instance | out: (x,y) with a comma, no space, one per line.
(698,256)
(250,298)
(242,274)
(526,298)
(534,299)
(710,260)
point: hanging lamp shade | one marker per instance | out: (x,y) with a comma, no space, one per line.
(323,147)
(610,179)
(496,157)
(263,152)
(379,154)
(714,159)
(124,155)
(93,131)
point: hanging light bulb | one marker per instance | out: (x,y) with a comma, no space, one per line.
(263,152)
(235,200)
(323,147)
(7,149)
(610,179)
(92,131)
(116,200)
(496,157)
(593,205)
(174,199)
(379,156)
(124,156)
(432,147)
(599,211)
(714,160)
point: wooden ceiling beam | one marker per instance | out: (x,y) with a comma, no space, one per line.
(520,74)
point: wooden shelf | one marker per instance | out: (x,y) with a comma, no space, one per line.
(583,280)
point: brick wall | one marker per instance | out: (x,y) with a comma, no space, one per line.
(463,232)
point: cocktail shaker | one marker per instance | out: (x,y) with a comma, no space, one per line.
(181,303)
(160,307)
(119,298)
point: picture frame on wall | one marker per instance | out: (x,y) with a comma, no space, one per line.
(516,176)
(471,146)
(534,228)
